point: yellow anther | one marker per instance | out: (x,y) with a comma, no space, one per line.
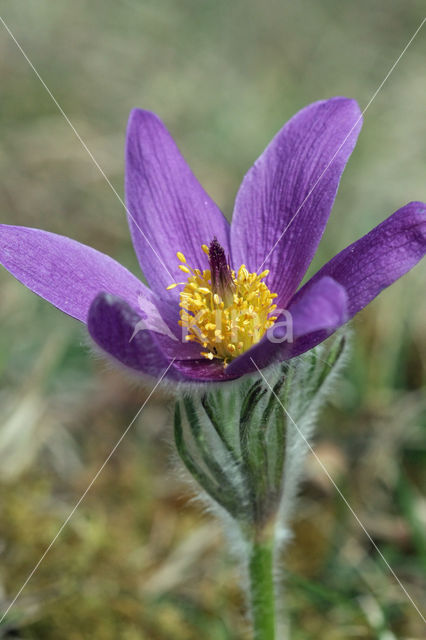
(243,274)
(207,354)
(225,328)
(172,286)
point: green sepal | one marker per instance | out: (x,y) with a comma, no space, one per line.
(236,435)
(212,488)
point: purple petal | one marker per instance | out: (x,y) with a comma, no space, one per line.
(111,324)
(161,317)
(169,210)
(64,272)
(285,199)
(379,258)
(323,305)
(318,312)
(202,370)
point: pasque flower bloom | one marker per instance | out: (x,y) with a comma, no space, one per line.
(226,306)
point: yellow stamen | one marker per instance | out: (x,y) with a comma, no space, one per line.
(207,354)
(224,328)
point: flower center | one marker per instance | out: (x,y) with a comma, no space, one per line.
(226,312)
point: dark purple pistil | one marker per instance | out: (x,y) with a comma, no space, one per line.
(222,282)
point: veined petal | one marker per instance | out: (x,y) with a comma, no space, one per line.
(285,199)
(118,330)
(169,210)
(161,317)
(318,312)
(323,305)
(64,272)
(376,260)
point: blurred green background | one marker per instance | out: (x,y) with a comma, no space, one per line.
(139,560)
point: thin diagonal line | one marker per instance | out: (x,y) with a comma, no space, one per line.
(324,468)
(78,503)
(84,145)
(332,159)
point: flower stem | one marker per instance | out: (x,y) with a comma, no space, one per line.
(262,590)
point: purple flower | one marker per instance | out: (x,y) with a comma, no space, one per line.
(203,274)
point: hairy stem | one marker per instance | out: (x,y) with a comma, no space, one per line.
(262,590)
